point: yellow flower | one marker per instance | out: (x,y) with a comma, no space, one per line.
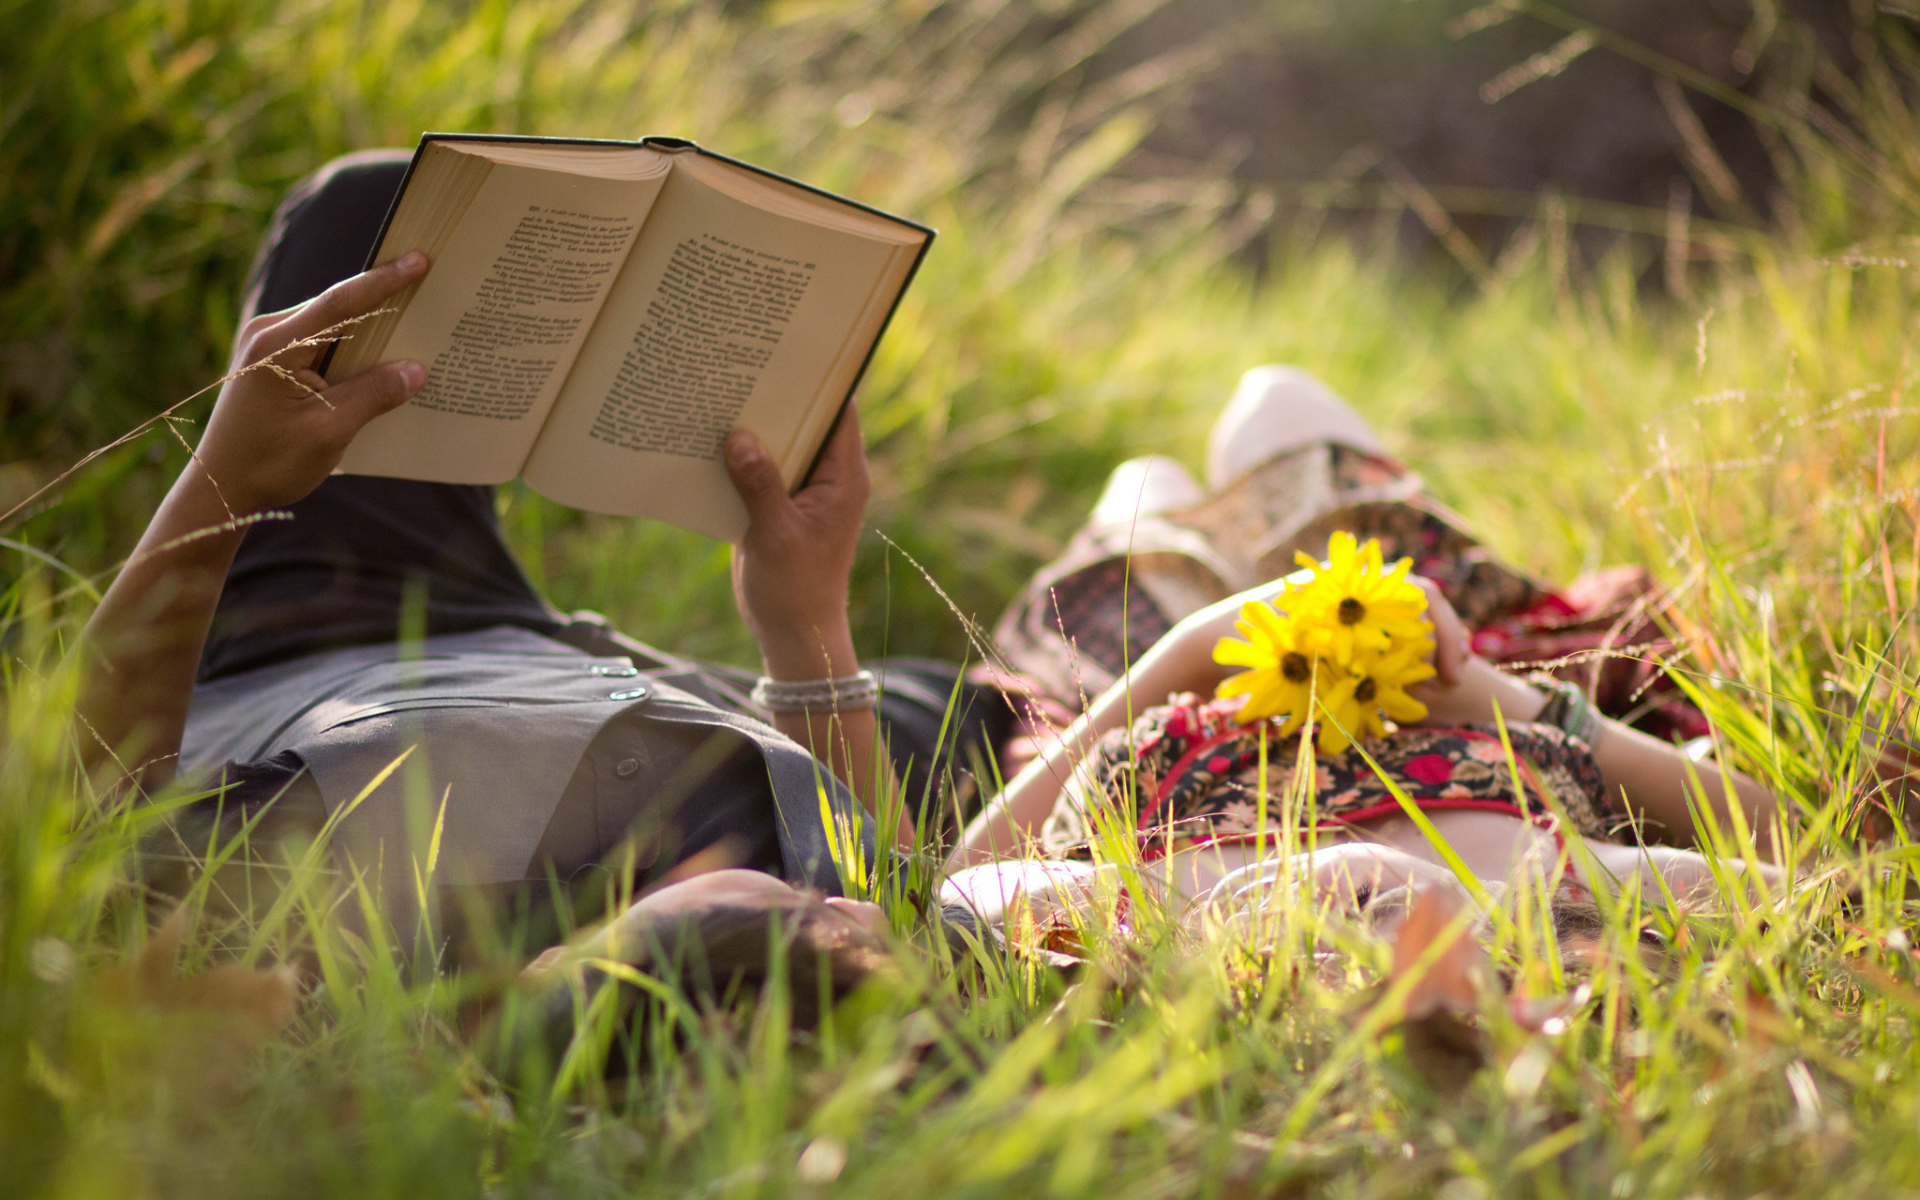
(1354,603)
(1373,689)
(1350,642)
(1280,677)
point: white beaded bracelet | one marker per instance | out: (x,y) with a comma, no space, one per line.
(847,694)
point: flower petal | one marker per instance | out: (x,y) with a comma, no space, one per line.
(1245,683)
(1232,652)
(1340,549)
(1400,706)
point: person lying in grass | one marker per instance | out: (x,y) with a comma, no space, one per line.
(1514,776)
(361,661)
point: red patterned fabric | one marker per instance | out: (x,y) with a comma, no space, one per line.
(1601,633)
(1185,774)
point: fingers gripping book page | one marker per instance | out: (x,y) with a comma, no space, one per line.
(498,322)
(724,316)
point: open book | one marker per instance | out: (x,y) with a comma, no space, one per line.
(600,314)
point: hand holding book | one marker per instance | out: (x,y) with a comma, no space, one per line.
(790,583)
(790,570)
(275,434)
(600,316)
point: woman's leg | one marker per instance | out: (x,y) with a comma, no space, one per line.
(360,549)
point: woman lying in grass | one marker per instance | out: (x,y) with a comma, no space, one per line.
(1210,791)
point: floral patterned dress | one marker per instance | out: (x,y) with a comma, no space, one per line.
(1186,775)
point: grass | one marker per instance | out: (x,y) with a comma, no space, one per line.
(1755,445)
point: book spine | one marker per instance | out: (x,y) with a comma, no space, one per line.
(373,252)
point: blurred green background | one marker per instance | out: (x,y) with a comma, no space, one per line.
(1627,280)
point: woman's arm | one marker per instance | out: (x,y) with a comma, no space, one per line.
(1652,774)
(270,440)
(1182,661)
(1351,873)
(790,576)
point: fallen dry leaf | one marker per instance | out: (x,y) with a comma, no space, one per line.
(245,1007)
(1443,1047)
(1455,978)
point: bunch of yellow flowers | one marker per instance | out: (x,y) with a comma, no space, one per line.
(1344,644)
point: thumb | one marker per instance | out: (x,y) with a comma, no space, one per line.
(755,476)
(374,391)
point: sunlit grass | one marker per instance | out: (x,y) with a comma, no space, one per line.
(1755,446)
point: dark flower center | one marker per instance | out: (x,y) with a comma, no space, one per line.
(1365,691)
(1296,667)
(1352,612)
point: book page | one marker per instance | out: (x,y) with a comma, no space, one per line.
(499,320)
(440,186)
(725,315)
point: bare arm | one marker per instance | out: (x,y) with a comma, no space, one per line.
(268,443)
(1350,873)
(1003,827)
(790,576)
(1652,774)
(1182,661)
(142,644)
